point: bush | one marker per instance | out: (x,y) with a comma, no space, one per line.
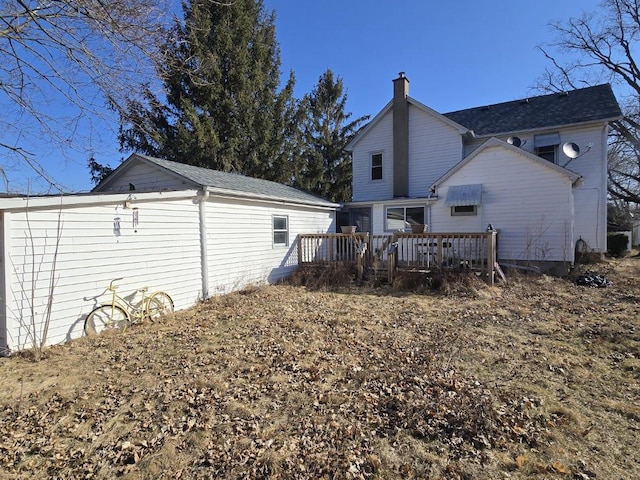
(617,244)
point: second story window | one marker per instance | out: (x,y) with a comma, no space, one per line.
(376,166)
(549,152)
(547,146)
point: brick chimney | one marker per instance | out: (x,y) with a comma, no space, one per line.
(400,136)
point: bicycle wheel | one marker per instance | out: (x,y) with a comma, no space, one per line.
(105,317)
(159,304)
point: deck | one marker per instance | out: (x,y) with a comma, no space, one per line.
(427,252)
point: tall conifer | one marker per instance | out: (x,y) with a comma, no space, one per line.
(223,109)
(324,167)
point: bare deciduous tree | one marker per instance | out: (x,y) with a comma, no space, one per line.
(603,46)
(62,62)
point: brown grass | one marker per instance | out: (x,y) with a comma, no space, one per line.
(535,379)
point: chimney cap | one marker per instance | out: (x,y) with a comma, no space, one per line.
(401,75)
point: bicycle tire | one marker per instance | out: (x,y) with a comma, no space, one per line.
(106,317)
(159,304)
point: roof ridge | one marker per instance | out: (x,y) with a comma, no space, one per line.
(530,98)
(574,107)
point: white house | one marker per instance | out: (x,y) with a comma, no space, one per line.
(535,169)
(189,231)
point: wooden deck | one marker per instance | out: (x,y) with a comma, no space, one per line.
(428,252)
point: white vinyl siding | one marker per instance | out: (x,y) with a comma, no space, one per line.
(590,221)
(146,177)
(590,195)
(237,233)
(434,148)
(378,140)
(534,222)
(161,252)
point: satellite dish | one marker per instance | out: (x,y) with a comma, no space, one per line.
(571,150)
(515,141)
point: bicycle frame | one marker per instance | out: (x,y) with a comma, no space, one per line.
(121,311)
(134,312)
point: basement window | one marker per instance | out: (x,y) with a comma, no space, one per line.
(280,231)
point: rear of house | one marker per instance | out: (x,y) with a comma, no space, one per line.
(539,165)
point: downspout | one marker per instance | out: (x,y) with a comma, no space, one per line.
(5,272)
(604,186)
(204,256)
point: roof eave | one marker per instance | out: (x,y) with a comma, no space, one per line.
(374,121)
(496,142)
(223,192)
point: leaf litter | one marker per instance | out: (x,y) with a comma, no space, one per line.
(538,378)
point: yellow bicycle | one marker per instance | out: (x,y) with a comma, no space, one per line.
(121,313)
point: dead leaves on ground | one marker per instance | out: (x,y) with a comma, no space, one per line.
(285,383)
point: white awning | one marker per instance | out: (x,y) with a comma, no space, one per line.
(459,195)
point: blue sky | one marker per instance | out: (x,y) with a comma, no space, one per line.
(456,54)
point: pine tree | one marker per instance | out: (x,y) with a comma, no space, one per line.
(223,109)
(324,167)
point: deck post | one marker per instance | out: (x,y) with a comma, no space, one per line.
(331,239)
(491,258)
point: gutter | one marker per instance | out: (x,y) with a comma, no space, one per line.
(83,199)
(223,192)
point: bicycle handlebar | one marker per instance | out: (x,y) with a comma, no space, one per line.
(111,286)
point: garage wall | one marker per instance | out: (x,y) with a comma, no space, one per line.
(66,255)
(240,241)
(75,252)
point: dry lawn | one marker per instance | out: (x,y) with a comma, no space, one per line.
(539,379)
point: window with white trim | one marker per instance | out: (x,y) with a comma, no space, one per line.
(401,218)
(464,210)
(280,230)
(376,166)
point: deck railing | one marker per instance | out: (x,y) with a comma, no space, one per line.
(418,251)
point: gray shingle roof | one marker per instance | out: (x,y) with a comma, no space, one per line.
(567,108)
(205,177)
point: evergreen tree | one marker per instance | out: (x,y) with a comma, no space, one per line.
(324,167)
(223,109)
(98,171)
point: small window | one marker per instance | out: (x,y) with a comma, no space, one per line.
(401,218)
(464,210)
(376,166)
(548,152)
(281,231)
(546,146)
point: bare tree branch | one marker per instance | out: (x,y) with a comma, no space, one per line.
(603,48)
(62,62)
